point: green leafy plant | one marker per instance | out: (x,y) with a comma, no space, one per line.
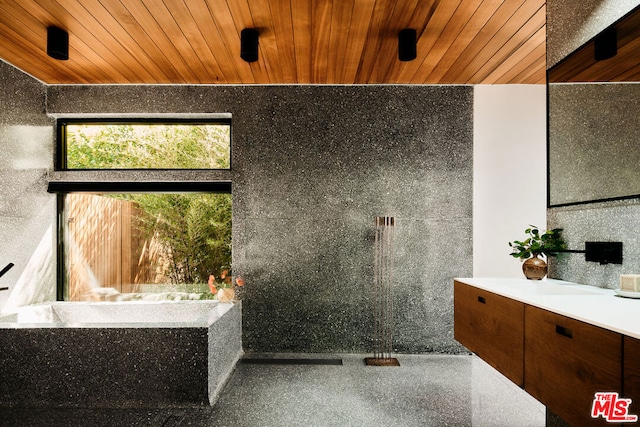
(153,146)
(546,243)
(194,229)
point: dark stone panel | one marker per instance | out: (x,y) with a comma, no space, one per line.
(318,168)
(104,367)
(23,98)
(596,222)
(593,142)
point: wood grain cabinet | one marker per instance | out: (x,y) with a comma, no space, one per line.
(567,361)
(631,374)
(492,326)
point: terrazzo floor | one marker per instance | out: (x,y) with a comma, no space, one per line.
(305,390)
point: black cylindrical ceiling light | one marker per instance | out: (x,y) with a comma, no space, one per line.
(249,44)
(57,43)
(605,44)
(407,41)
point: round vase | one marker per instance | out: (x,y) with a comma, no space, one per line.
(226,294)
(534,268)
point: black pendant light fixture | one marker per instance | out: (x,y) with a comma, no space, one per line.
(249,44)
(605,44)
(407,42)
(57,43)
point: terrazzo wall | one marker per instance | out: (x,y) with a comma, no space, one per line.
(312,167)
(606,221)
(605,142)
(27,212)
(599,222)
(570,24)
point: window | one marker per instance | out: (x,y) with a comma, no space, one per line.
(125,240)
(144,145)
(123,247)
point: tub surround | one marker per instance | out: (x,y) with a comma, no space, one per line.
(88,355)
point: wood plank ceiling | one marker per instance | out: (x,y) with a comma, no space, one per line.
(300,42)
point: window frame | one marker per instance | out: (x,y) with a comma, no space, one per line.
(62,287)
(65,181)
(60,163)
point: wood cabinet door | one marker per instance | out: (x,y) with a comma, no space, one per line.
(492,326)
(567,361)
(631,374)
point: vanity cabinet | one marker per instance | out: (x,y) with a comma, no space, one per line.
(561,342)
(567,361)
(631,376)
(491,326)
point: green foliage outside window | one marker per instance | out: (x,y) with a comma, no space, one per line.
(148,146)
(195,227)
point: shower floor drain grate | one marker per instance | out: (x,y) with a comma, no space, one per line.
(291,361)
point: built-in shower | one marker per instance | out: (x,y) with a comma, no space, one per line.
(383,267)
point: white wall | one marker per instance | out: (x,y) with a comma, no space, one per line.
(510,176)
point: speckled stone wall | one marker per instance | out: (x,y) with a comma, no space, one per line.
(312,167)
(322,163)
(593,141)
(569,24)
(601,222)
(27,212)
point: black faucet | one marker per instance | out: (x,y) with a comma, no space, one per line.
(4,270)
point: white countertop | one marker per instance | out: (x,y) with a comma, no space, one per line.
(590,304)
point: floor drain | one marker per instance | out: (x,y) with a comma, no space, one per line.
(291,361)
(173,421)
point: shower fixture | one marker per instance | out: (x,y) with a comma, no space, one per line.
(383,288)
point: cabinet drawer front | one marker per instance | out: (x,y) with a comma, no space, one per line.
(492,326)
(567,361)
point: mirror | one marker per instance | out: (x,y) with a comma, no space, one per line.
(594,131)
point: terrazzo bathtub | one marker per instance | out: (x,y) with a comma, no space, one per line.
(133,354)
